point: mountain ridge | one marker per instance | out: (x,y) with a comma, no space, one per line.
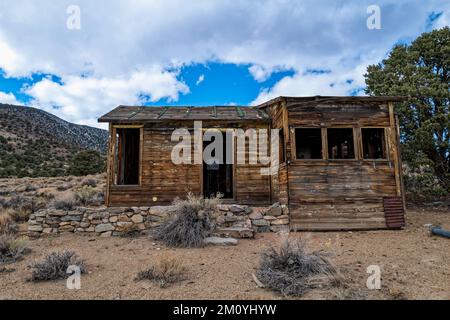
(34,142)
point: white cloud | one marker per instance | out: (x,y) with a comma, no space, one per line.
(338,82)
(200,79)
(81,99)
(260,73)
(124,47)
(8,98)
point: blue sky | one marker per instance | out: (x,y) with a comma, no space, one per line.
(222,84)
(202,53)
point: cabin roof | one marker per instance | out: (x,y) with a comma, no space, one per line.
(157,114)
(225,113)
(331,99)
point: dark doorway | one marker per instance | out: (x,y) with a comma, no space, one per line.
(127,156)
(218,177)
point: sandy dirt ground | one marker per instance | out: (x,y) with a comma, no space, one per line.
(413,264)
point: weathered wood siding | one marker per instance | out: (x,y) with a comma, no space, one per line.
(342,194)
(279,182)
(162,180)
(251,187)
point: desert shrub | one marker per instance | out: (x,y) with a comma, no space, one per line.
(89,182)
(15,201)
(54,266)
(11,248)
(21,207)
(164,272)
(87,195)
(21,214)
(292,271)
(422,184)
(7,225)
(64,186)
(29,188)
(189,223)
(86,162)
(65,201)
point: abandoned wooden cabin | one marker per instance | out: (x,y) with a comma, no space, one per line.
(340,165)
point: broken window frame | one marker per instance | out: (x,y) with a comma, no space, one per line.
(323,143)
(384,144)
(114,164)
(357,144)
(356,149)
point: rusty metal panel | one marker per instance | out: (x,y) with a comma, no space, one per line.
(394,212)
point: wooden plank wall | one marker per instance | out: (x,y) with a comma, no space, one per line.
(279,183)
(251,186)
(162,180)
(341,194)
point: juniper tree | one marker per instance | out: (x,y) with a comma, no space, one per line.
(420,71)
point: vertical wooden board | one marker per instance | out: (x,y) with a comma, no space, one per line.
(402,185)
(109,157)
(394,148)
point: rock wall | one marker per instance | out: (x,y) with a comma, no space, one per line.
(232,220)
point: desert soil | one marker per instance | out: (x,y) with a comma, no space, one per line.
(414,265)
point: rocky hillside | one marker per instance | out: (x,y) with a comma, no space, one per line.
(36,143)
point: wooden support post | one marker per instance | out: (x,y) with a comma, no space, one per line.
(394,148)
(402,185)
(110,157)
(323,132)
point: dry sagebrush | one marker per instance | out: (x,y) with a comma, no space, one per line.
(54,266)
(65,201)
(19,207)
(190,222)
(7,225)
(12,249)
(292,271)
(87,195)
(165,271)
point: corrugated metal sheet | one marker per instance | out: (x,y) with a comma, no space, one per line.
(394,212)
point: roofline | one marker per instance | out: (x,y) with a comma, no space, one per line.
(295,100)
(334,98)
(100,120)
(108,119)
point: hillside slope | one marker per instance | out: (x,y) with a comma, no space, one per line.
(36,143)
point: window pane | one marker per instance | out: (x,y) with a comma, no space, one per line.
(308,143)
(127,156)
(373,143)
(340,143)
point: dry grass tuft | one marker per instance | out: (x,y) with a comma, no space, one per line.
(55,265)
(91,182)
(87,195)
(190,223)
(292,271)
(164,272)
(65,201)
(7,225)
(12,249)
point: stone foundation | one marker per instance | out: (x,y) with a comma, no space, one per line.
(232,220)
